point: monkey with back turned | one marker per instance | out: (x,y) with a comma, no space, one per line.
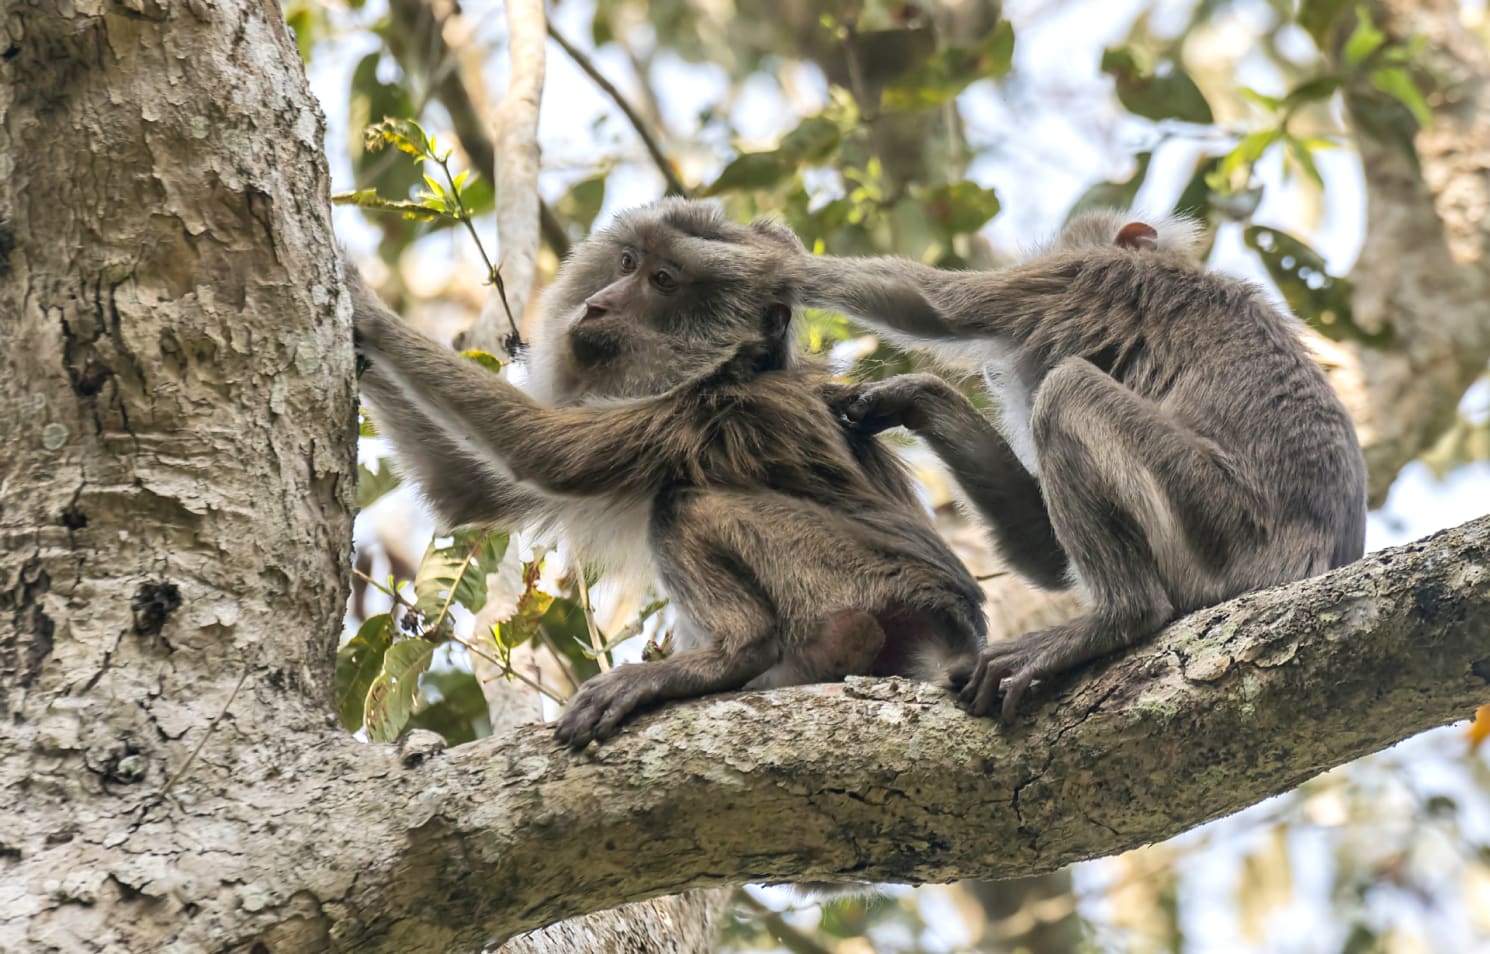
(1167,443)
(674,431)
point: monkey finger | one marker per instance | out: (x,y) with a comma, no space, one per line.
(870,415)
(609,722)
(1014,690)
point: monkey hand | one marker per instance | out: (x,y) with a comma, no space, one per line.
(603,703)
(902,401)
(1015,663)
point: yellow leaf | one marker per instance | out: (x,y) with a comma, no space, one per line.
(1479,729)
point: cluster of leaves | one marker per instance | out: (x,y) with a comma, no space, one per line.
(387,675)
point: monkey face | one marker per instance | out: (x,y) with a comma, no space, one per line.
(663,294)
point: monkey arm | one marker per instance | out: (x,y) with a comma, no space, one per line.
(986,468)
(927,305)
(508,437)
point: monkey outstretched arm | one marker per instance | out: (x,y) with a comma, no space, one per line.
(600,450)
(929,305)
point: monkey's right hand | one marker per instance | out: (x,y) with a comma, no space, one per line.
(902,401)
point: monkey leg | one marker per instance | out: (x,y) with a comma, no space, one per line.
(729,632)
(1150,513)
(980,459)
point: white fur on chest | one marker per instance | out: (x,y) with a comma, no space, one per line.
(613,535)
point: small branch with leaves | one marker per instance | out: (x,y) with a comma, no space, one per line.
(447,200)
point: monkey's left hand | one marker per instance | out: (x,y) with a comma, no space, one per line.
(1015,663)
(603,703)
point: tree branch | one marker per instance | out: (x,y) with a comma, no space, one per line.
(675,185)
(886,780)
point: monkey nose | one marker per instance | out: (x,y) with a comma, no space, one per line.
(592,311)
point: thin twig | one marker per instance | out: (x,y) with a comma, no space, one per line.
(675,185)
(596,643)
(493,274)
(211,726)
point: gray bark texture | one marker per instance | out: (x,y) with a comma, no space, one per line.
(1424,270)
(177,390)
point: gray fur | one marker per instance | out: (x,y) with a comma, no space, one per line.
(1167,441)
(677,422)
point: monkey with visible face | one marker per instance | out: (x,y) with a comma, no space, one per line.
(1166,442)
(673,430)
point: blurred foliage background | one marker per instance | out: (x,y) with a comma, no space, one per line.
(958,133)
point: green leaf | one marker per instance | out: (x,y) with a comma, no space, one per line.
(1167,92)
(391,696)
(1303,156)
(1269,103)
(564,622)
(1396,83)
(1115,194)
(1235,171)
(1195,198)
(365,425)
(371,485)
(812,141)
(368,199)
(456,573)
(357,665)
(1319,298)
(405,135)
(1317,16)
(949,72)
(752,170)
(1385,120)
(1313,90)
(582,202)
(525,620)
(1364,40)
(451,703)
(960,207)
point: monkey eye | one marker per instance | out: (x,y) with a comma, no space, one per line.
(628,263)
(664,280)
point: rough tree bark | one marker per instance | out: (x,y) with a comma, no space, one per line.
(177,387)
(1424,271)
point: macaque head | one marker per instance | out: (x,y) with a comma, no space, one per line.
(664,293)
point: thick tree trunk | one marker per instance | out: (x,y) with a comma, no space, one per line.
(1424,271)
(178,408)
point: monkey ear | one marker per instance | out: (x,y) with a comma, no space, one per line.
(1139,236)
(777,319)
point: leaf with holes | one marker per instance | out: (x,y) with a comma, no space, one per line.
(368,199)
(526,619)
(455,573)
(357,665)
(1319,298)
(391,697)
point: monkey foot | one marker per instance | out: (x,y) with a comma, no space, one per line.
(601,705)
(1014,664)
